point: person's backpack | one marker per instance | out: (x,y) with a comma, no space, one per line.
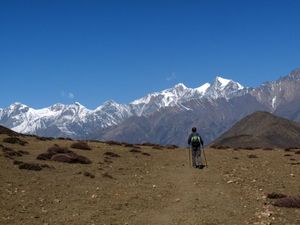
(195,140)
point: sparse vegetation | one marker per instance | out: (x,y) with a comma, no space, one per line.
(113,143)
(14,140)
(56,153)
(288,202)
(268,149)
(88,174)
(252,156)
(135,150)
(111,154)
(80,145)
(32,166)
(146,154)
(275,195)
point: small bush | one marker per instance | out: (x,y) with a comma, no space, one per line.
(157,147)
(81,145)
(171,146)
(32,166)
(135,150)
(44,138)
(149,144)
(252,156)
(23,152)
(128,145)
(16,162)
(297,152)
(288,202)
(275,195)
(10,153)
(56,153)
(88,174)
(45,156)
(56,150)
(268,148)
(146,154)
(14,140)
(111,154)
(64,138)
(113,143)
(286,155)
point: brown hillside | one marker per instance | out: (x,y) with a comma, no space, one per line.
(137,185)
(261,130)
(4,130)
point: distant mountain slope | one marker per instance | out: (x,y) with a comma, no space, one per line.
(173,124)
(261,129)
(77,121)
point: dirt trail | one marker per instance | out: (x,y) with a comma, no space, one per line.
(198,197)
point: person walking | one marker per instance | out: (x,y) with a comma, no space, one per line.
(195,142)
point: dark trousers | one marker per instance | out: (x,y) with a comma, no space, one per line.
(196,156)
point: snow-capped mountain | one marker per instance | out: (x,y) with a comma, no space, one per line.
(72,120)
(214,106)
(220,88)
(77,121)
(220,105)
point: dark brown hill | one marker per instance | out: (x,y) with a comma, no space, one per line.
(4,130)
(261,130)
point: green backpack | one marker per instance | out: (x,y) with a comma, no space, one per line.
(195,141)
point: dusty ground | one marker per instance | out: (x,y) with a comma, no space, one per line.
(140,189)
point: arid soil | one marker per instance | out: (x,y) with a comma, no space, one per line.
(144,185)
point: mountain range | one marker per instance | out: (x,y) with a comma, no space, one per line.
(162,117)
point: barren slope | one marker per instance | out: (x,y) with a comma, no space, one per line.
(140,188)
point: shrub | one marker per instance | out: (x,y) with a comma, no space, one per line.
(252,156)
(30,166)
(56,153)
(275,195)
(80,145)
(88,174)
(135,150)
(10,153)
(268,148)
(111,154)
(14,140)
(146,154)
(288,202)
(113,143)
(171,146)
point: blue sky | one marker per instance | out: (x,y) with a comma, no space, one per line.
(93,51)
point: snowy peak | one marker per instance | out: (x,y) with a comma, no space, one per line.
(223,83)
(224,88)
(203,88)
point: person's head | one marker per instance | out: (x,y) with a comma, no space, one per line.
(194,129)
